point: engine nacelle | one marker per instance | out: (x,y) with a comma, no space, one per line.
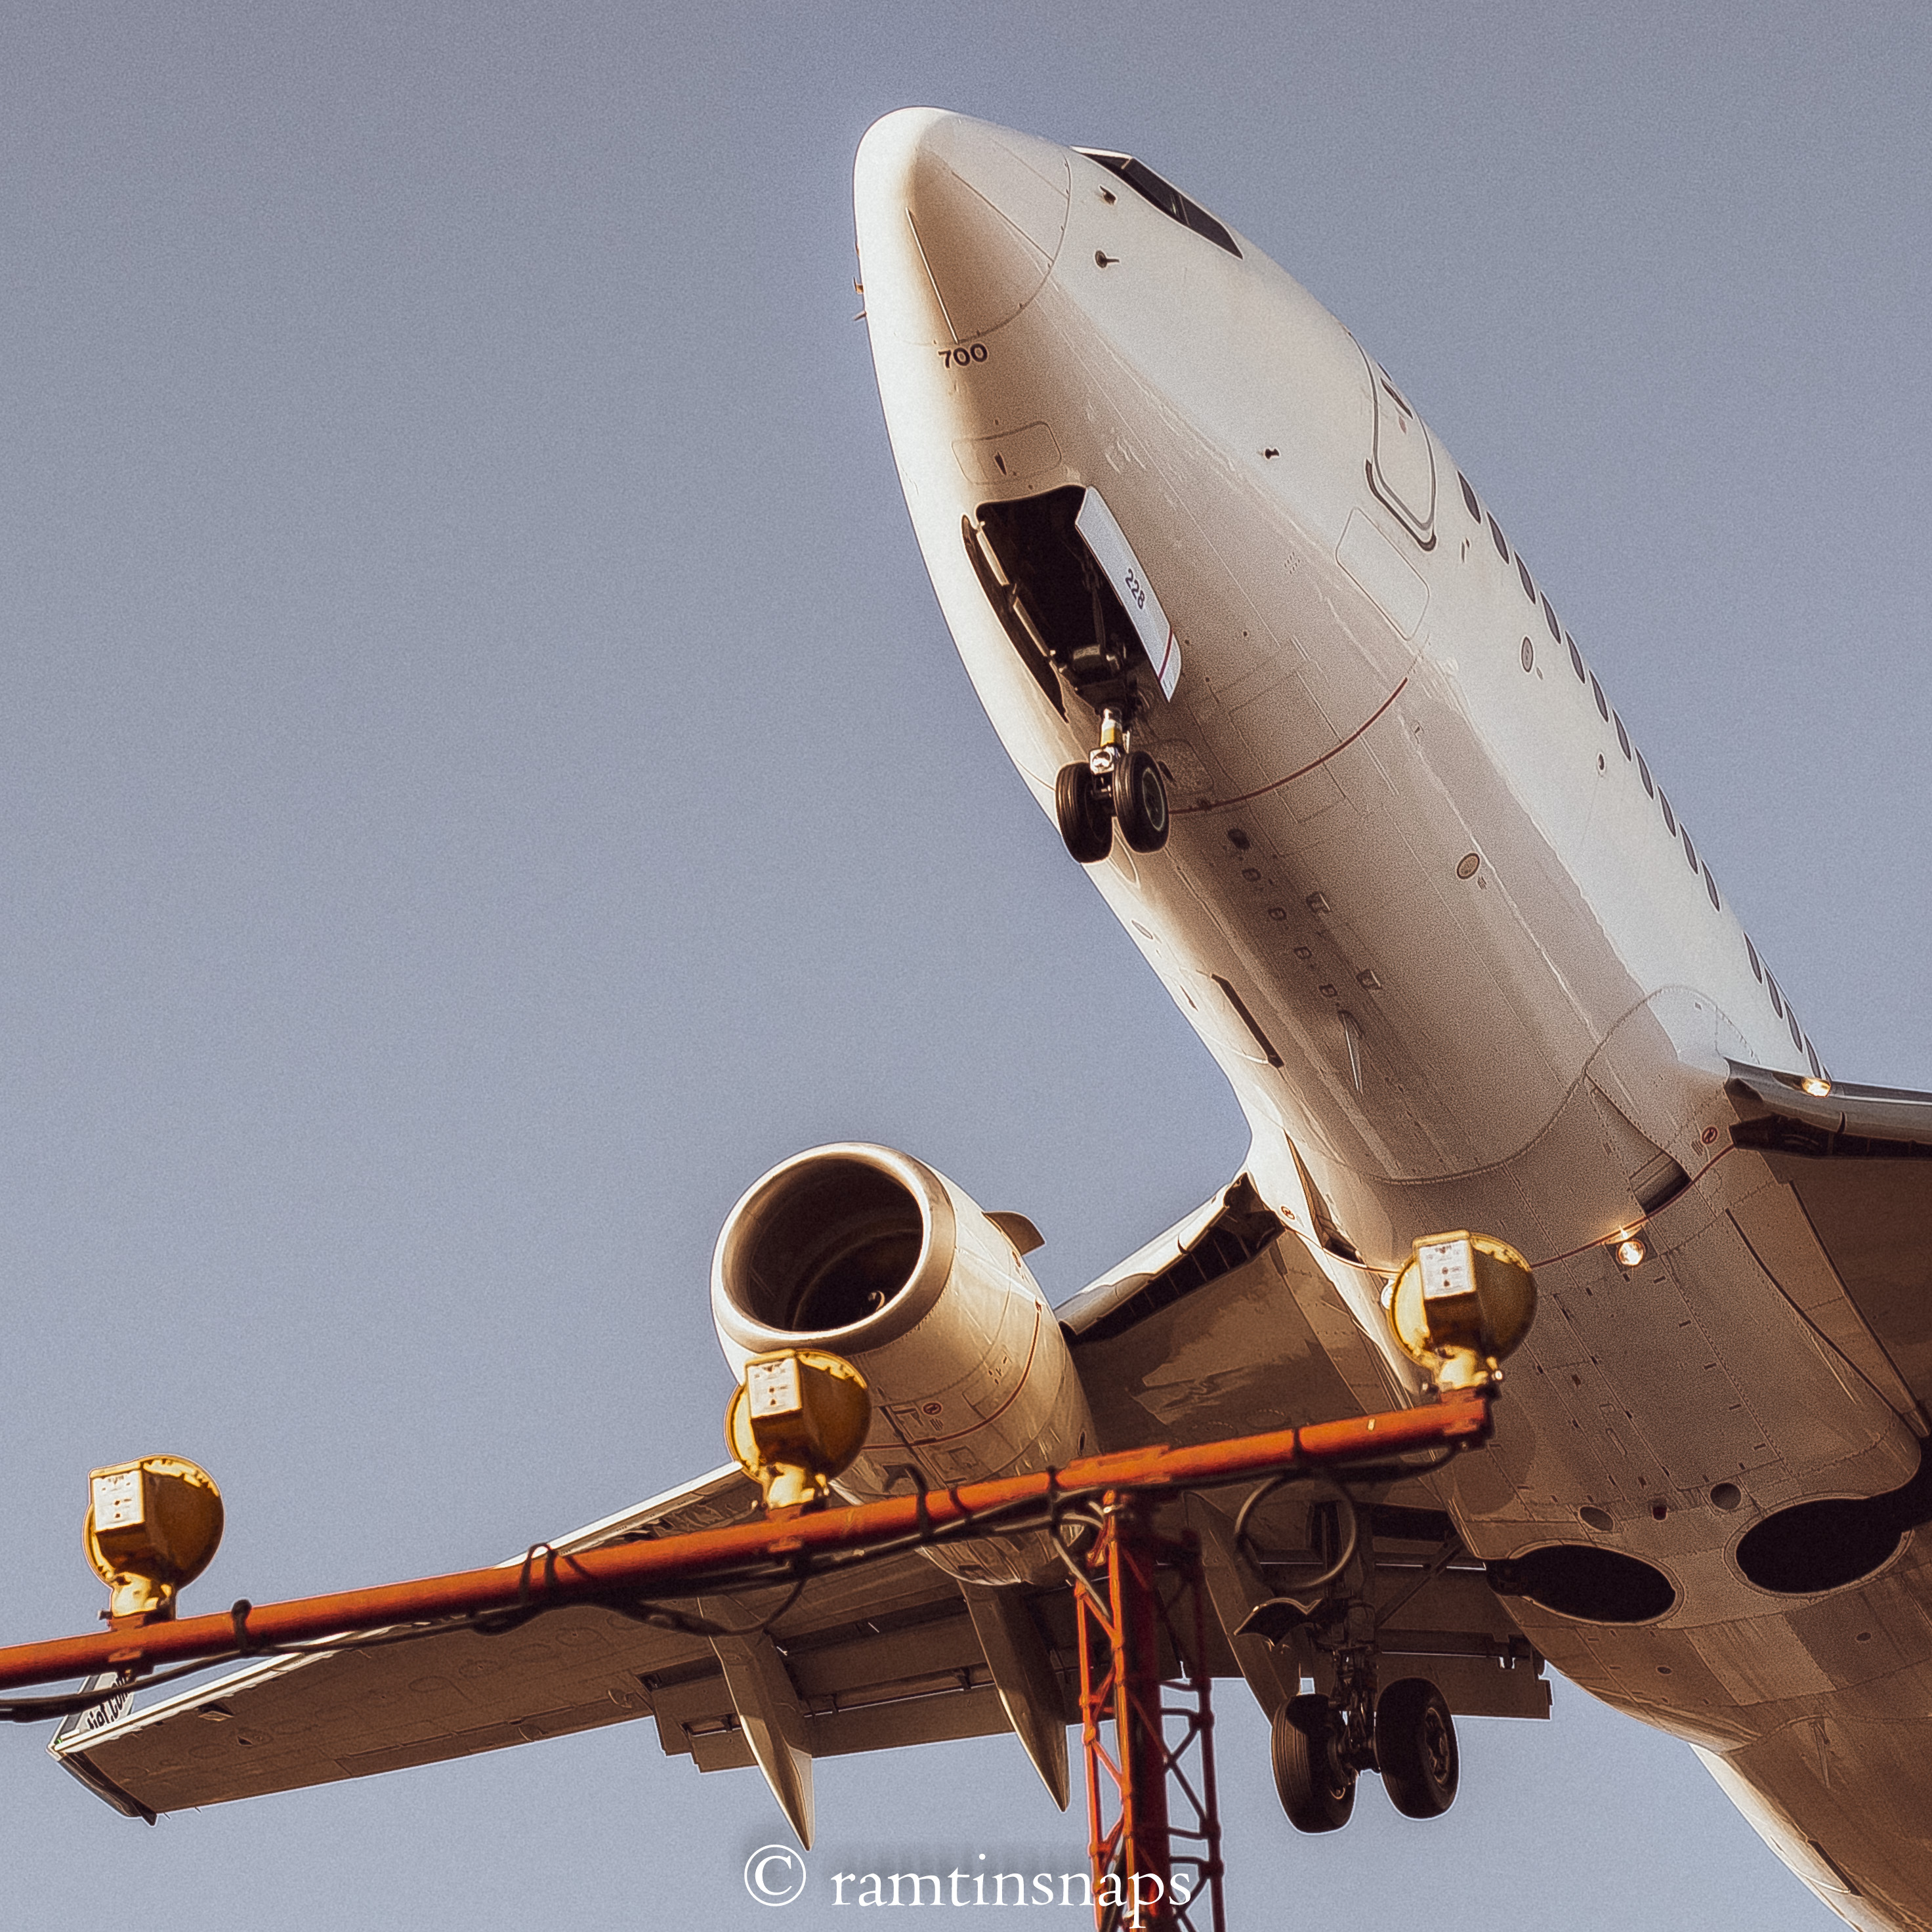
(870,1253)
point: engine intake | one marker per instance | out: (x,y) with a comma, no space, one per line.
(866,1252)
(826,1243)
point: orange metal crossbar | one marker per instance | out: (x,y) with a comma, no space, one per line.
(669,1564)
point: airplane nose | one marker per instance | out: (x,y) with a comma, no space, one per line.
(969,215)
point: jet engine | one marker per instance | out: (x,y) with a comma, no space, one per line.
(869,1253)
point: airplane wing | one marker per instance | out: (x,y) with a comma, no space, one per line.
(1857,1163)
(1223,1326)
(881,1655)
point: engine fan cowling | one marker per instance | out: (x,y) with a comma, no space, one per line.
(866,1252)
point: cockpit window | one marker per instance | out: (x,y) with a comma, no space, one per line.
(1165,196)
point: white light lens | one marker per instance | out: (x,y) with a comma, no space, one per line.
(1446,1271)
(772,1387)
(117,1499)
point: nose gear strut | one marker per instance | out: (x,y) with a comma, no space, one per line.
(1116,785)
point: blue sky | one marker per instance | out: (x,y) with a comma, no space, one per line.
(482,776)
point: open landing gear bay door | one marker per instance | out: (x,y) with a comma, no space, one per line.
(1076,601)
(1108,545)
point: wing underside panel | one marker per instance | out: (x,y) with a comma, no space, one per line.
(881,1654)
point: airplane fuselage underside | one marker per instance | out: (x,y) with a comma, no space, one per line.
(1423,904)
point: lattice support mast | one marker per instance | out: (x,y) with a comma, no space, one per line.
(1153,1822)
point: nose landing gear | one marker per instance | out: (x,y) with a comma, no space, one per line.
(1117,785)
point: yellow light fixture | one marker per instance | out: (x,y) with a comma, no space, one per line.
(797,1421)
(1631,1250)
(1462,1302)
(152,1526)
(1818,1088)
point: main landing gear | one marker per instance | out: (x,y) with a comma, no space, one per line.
(1116,785)
(1320,1748)
(1320,1745)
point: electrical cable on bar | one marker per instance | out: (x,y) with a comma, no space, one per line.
(788,1544)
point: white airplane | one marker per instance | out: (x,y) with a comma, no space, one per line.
(1321,736)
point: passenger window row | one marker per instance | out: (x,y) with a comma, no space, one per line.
(1584,676)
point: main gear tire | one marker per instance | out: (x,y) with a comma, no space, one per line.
(1415,1748)
(1316,1789)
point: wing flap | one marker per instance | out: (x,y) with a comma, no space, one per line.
(1858,1161)
(347,1713)
(287,1722)
(1227,1326)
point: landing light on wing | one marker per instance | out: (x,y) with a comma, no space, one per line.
(1461,1303)
(152,1526)
(798,1419)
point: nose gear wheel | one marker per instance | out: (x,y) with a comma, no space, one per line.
(1085,814)
(1116,785)
(1140,802)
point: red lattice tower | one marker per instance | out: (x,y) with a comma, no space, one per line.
(1149,1739)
